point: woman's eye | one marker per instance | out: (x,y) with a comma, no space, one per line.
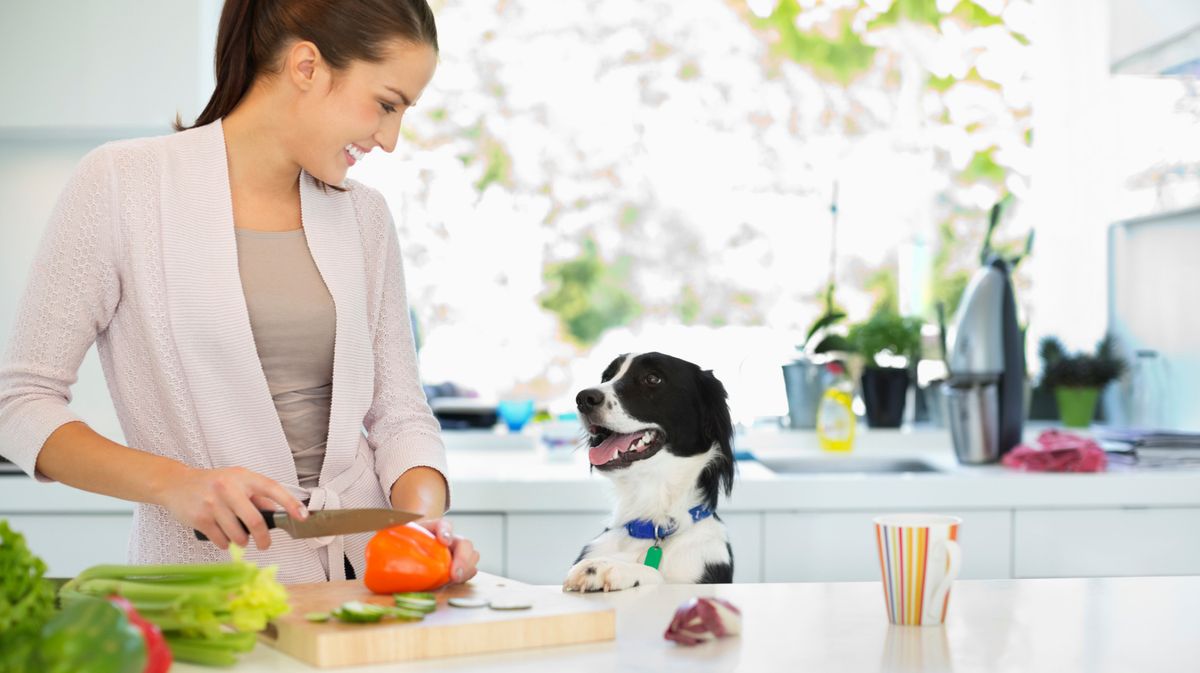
(388,108)
(652,380)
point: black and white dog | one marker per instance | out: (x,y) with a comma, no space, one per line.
(660,429)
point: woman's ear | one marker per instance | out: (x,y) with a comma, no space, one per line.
(301,64)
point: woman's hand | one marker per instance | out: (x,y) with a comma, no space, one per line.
(219,502)
(463,557)
(423,490)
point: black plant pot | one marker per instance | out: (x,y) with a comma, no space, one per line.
(884,390)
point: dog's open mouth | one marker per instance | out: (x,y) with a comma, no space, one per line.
(611,451)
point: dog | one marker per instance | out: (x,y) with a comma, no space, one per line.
(659,428)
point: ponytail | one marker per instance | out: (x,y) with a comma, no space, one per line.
(235,62)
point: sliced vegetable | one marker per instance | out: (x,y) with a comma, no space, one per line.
(418,595)
(703,619)
(405,559)
(466,602)
(91,635)
(318,616)
(420,602)
(357,612)
(208,613)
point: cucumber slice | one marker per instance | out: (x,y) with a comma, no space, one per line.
(417,595)
(357,612)
(420,605)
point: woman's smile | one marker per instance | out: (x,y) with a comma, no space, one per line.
(353,153)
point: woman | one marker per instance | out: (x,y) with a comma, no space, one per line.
(247,303)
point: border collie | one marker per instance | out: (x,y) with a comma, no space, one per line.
(659,427)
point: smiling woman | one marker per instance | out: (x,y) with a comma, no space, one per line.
(343,74)
(247,302)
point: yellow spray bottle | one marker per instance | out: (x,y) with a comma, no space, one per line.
(835,414)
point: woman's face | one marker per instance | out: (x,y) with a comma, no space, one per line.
(354,111)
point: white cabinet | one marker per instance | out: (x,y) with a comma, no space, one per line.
(541,548)
(1106,542)
(746,538)
(841,547)
(71,543)
(486,532)
(106,65)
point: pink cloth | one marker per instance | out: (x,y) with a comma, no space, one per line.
(140,257)
(1058,451)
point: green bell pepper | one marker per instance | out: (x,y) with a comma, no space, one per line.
(91,635)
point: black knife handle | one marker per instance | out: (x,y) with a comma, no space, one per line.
(267,516)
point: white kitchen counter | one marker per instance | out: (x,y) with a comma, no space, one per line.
(529,512)
(505,473)
(1148,625)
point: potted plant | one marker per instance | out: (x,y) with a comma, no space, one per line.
(805,378)
(889,345)
(1077,379)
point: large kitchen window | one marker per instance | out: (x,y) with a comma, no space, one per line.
(588,178)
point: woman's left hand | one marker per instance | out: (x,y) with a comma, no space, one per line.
(464,558)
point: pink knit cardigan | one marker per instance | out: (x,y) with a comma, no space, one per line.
(140,258)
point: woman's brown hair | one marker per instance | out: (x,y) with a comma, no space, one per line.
(251,34)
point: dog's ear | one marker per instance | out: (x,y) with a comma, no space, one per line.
(717,427)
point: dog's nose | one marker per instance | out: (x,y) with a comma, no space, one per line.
(589,399)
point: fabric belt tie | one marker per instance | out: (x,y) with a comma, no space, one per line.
(329,497)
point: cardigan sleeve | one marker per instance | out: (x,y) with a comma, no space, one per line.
(69,299)
(400,426)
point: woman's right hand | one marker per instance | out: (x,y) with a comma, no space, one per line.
(217,502)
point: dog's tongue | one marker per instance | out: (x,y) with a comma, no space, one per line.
(607,450)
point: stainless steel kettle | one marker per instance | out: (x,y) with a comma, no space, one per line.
(986,360)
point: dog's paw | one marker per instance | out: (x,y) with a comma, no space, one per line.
(606,575)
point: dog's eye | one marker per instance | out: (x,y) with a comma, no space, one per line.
(651,379)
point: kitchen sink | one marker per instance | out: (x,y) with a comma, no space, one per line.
(846,465)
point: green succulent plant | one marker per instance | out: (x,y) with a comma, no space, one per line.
(1080,370)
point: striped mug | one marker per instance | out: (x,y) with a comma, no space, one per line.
(919,558)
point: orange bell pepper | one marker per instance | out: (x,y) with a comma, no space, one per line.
(406,558)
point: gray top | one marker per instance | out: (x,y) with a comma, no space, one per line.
(292,319)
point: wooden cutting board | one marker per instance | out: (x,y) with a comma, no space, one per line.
(553,618)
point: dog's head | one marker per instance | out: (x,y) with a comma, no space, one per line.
(652,402)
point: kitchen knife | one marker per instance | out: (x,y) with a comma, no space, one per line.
(333,521)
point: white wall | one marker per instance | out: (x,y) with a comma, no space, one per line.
(79,73)
(1072,184)
(102,65)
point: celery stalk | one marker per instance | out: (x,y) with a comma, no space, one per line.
(207,612)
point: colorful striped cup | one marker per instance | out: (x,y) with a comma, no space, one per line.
(919,559)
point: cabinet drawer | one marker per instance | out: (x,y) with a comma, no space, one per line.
(841,547)
(486,532)
(1107,542)
(745,537)
(541,548)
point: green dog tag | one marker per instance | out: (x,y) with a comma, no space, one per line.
(653,556)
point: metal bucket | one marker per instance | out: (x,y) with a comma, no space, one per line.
(805,382)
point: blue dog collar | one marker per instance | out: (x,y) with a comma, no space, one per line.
(644,529)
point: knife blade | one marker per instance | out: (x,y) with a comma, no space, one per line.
(333,521)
